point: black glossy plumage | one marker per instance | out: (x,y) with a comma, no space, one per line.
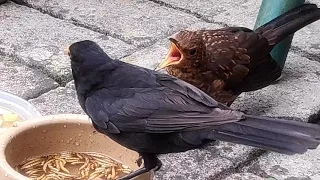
(154,113)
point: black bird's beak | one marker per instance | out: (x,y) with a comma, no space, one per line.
(67,51)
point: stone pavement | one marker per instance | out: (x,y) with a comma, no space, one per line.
(32,65)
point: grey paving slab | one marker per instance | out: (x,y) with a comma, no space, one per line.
(282,167)
(242,12)
(308,41)
(204,163)
(236,153)
(244,176)
(23,81)
(151,56)
(204,26)
(193,164)
(58,101)
(295,95)
(140,22)
(71,85)
(38,40)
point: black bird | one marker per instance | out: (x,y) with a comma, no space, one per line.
(154,113)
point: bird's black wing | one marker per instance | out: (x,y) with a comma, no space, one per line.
(173,105)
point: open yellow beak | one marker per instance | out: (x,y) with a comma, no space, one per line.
(67,51)
(174,56)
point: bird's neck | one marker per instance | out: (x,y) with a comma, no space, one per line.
(87,77)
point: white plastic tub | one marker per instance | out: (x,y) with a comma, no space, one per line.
(18,105)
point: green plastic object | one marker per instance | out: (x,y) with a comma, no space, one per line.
(269,10)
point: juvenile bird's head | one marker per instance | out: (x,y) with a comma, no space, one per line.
(186,50)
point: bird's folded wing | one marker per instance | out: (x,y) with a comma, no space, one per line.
(175,106)
(266,72)
(241,60)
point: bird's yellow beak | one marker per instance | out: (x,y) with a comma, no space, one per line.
(174,56)
(67,51)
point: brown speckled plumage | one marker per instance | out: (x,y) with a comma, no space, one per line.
(223,60)
(226,62)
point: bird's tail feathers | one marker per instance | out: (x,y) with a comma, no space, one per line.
(289,22)
(288,137)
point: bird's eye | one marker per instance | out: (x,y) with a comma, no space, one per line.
(192,51)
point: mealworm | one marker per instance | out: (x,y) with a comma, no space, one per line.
(55,166)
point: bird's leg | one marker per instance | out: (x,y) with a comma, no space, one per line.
(139,160)
(150,162)
(229,103)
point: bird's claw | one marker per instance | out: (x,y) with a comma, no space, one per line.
(139,161)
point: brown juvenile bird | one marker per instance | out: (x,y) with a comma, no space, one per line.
(226,62)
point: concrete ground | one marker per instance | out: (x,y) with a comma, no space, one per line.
(32,65)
